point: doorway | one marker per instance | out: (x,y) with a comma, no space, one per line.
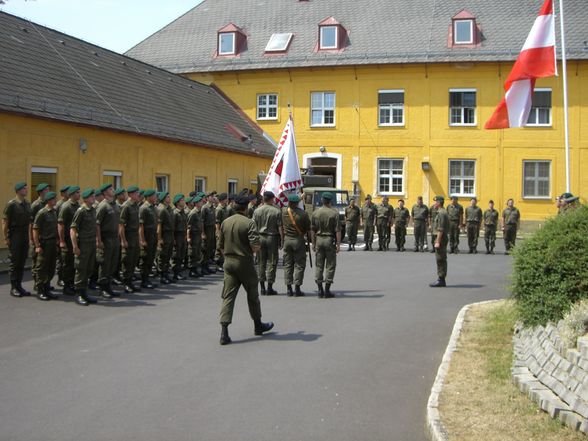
(324,164)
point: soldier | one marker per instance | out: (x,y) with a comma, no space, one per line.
(490,225)
(384,215)
(221,212)
(83,239)
(37,204)
(295,226)
(45,241)
(511,218)
(239,240)
(147,237)
(15,226)
(420,217)
(64,220)
(92,284)
(401,220)
(180,238)
(128,231)
(441,227)
(455,213)
(64,196)
(368,218)
(195,232)
(326,242)
(208,220)
(121,196)
(568,201)
(107,239)
(253,205)
(352,217)
(473,216)
(432,216)
(268,219)
(165,236)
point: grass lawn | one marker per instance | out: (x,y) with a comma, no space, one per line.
(479,401)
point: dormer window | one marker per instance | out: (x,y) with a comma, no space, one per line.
(279,42)
(231,41)
(332,35)
(226,43)
(463,31)
(328,37)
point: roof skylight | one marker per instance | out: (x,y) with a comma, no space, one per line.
(278,42)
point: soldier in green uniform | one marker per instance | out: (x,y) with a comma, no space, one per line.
(401,220)
(120,198)
(165,236)
(239,240)
(352,219)
(128,231)
(384,215)
(92,283)
(441,227)
(147,237)
(37,204)
(15,226)
(195,232)
(511,218)
(180,236)
(567,201)
(455,213)
(64,196)
(295,226)
(107,239)
(45,241)
(473,217)
(253,205)
(83,239)
(326,242)
(420,217)
(490,226)
(268,219)
(368,218)
(221,212)
(432,216)
(208,221)
(66,215)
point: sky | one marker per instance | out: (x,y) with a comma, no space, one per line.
(117,25)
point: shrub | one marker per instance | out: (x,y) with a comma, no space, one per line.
(551,269)
(574,324)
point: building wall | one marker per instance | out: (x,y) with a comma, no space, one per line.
(427,135)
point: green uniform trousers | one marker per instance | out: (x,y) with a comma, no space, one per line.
(147,254)
(18,252)
(400,234)
(383,231)
(239,271)
(268,257)
(368,234)
(326,259)
(490,237)
(433,239)
(45,264)
(453,235)
(420,233)
(107,258)
(130,257)
(180,249)
(84,263)
(165,253)
(441,258)
(209,245)
(351,230)
(195,251)
(473,230)
(59,266)
(68,270)
(294,260)
(510,236)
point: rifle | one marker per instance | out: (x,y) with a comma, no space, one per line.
(308,250)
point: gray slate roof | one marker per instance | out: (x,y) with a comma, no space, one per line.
(49,74)
(380,32)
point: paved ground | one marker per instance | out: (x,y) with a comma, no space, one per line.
(149,366)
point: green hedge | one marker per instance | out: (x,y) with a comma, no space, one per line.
(551,269)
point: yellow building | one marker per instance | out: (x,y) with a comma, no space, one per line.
(391,97)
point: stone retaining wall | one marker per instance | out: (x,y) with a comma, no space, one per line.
(552,376)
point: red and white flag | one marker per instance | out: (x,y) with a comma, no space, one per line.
(284,174)
(536,60)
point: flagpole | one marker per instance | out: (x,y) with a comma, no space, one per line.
(565,95)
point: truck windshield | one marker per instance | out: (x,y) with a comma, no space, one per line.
(341,198)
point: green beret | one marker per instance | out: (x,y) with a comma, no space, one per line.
(42,187)
(64,189)
(222,197)
(178,198)
(142,192)
(453,198)
(162,195)
(201,194)
(565,196)
(104,187)
(149,192)
(294,197)
(119,191)
(196,199)
(49,195)
(72,189)
(19,186)
(87,193)
(97,192)
(328,196)
(132,189)
(439,199)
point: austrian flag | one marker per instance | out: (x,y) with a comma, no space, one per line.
(536,60)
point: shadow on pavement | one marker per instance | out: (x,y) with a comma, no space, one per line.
(292,336)
(466,286)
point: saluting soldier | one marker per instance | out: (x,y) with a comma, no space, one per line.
(208,220)
(441,227)
(268,219)
(295,226)
(147,237)
(420,217)
(490,226)
(511,218)
(473,217)
(368,218)
(239,240)
(401,220)
(64,196)
(352,219)
(165,236)
(455,213)
(432,216)
(326,242)
(37,204)
(195,231)
(180,238)
(64,220)
(107,239)
(384,215)
(221,212)
(15,226)
(128,231)
(45,240)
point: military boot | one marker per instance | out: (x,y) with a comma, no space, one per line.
(328,293)
(440,283)
(261,327)
(321,291)
(289,291)
(69,290)
(14,291)
(82,298)
(42,294)
(105,291)
(262,290)
(21,290)
(194,273)
(49,294)
(146,283)
(270,290)
(224,338)
(298,293)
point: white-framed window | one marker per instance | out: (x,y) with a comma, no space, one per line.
(43,175)
(463,31)
(391,107)
(329,37)
(540,114)
(200,184)
(279,42)
(162,183)
(112,177)
(391,176)
(232,186)
(267,106)
(322,109)
(462,177)
(226,43)
(462,107)
(537,179)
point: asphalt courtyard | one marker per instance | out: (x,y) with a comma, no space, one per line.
(149,366)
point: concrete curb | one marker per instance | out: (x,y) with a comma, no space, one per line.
(435,425)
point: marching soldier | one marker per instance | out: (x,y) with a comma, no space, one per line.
(239,240)
(180,239)
(490,225)
(147,237)
(473,216)
(440,226)
(420,217)
(15,226)
(511,218)
(37,204)
(45,241)
(295,226)
(455,213)
(368,218)
(208,220)
(64,220)
(326,242)
(64,196)
(384,215)
(195,231)
(268,219)
(401,219)
(221,212)
(107,239)
(165,236)
(352,218)
(432,216)
(128,231)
